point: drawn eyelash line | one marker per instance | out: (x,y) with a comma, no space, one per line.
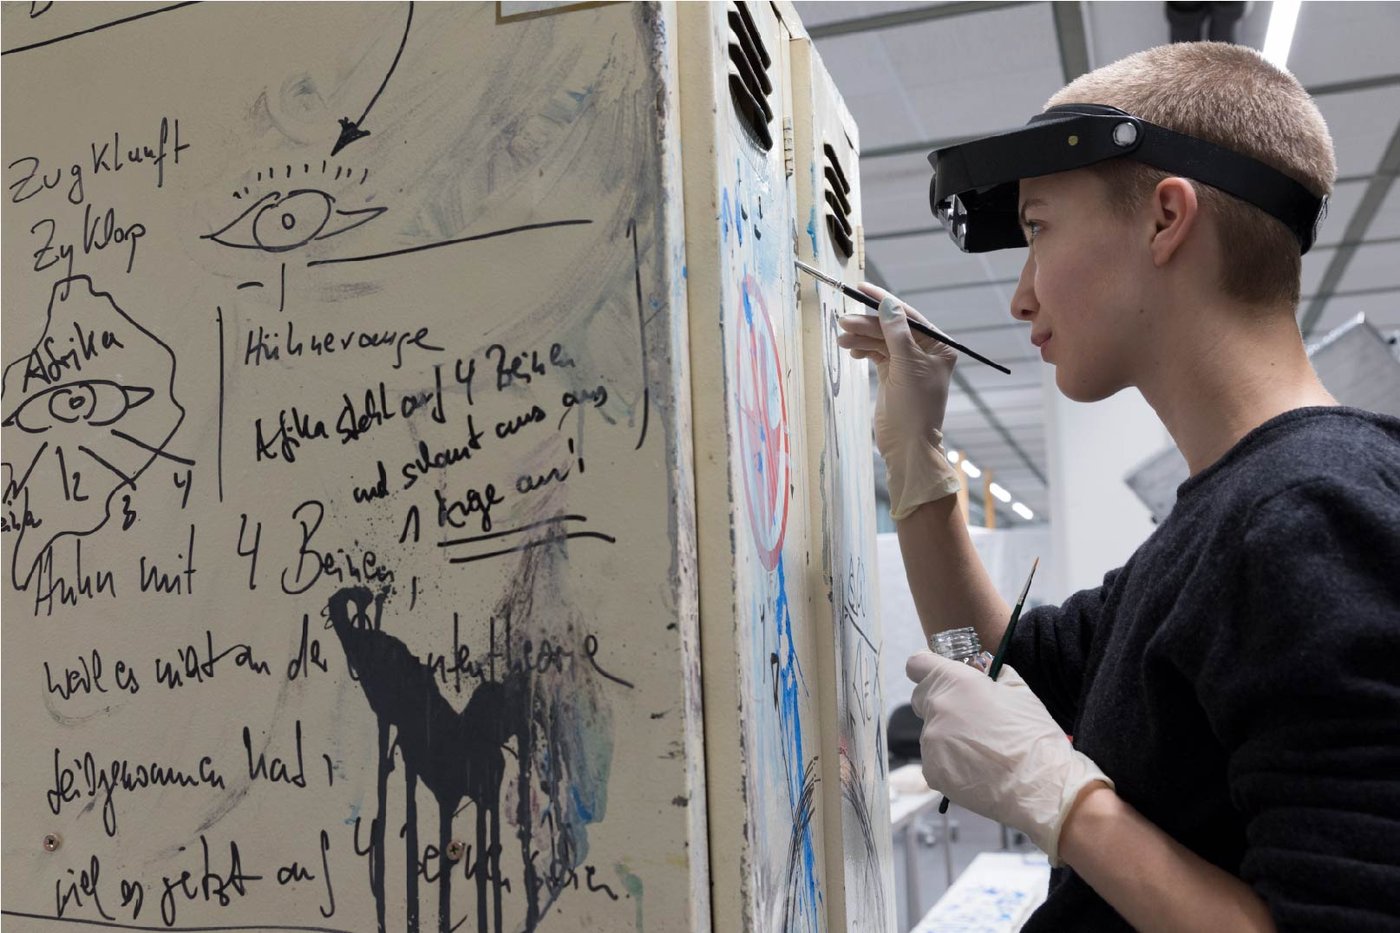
(306,169)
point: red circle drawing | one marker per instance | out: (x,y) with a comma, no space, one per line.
(765,463)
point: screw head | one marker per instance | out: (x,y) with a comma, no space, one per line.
(456,849)
(52,842)
(1125,134)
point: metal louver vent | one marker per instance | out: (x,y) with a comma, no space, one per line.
(749,84)
(838,203)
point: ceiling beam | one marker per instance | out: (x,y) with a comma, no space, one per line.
(1359,84)
(961,382)
(846,27)
(1371,200)
(1350,292)
(1348,179)
(954,286)
(1072,39)
(900,234)
(921,147)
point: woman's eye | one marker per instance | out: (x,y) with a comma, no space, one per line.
(1032,230)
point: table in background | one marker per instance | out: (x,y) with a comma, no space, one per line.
(996,894)
(905,808)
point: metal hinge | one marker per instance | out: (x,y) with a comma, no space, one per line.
(860,247)
(789,147)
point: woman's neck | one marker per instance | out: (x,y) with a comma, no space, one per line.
(1229,372)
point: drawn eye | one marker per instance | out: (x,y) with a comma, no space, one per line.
(278,223)
(292,221)
(95,402)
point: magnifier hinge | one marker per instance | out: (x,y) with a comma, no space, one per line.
(1125,134)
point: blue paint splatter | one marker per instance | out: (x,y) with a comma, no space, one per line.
(354,814)
(724,216)
(790,721)
(812,231)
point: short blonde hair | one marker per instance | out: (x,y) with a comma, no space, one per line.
(1228,95)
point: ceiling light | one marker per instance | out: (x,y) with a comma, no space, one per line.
(954,456)
(1022,511)
(970,469)
(1000,493)
(1278,40)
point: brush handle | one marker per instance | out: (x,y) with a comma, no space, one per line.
(922,328)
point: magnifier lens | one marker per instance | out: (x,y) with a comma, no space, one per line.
(957,220)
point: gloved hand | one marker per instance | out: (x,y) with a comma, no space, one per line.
(992,747)
(914,371)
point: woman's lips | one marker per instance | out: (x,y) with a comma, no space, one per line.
(1039,340)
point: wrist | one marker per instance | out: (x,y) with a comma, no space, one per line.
(918,472)
(1093,810)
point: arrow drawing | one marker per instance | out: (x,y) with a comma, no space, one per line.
(350,129)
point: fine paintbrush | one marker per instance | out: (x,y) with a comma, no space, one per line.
(999,658)
(919,326)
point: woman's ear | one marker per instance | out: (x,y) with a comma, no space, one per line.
(1174,213)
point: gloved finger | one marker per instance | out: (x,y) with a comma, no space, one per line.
(879,294)
(920,665)
(1009,677)
(895,326)
(873,290)
(856,342)
(875,355)
(867,325)
(916,316)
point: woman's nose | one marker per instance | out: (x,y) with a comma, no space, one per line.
(1023,301)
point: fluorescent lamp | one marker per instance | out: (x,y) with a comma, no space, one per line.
(1279,39)
(1000,493)
(970,469)
(1022,511)
(954,456)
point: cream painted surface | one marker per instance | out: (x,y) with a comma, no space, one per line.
(842,565)
(190,276)
(762,687)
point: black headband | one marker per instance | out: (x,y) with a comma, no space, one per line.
(976,184)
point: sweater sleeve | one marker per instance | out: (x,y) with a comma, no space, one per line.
(1050,649)
(1302,688)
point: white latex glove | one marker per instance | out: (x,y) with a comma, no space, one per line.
(914,371)
(991,746)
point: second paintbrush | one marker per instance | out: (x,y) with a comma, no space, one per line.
(919,326)
(999,658)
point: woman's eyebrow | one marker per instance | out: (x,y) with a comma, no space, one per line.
(1027,203)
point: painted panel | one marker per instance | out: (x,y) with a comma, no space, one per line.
(838,411)
(762,737)
(349,545)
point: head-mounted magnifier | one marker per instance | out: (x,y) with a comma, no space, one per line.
(976,185)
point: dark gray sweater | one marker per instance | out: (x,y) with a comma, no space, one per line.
(1239,677)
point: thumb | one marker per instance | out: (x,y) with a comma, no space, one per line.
(895,327)
(920,665)
(1007,676)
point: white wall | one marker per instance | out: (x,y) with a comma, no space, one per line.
(1096,522)
(1007,555)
